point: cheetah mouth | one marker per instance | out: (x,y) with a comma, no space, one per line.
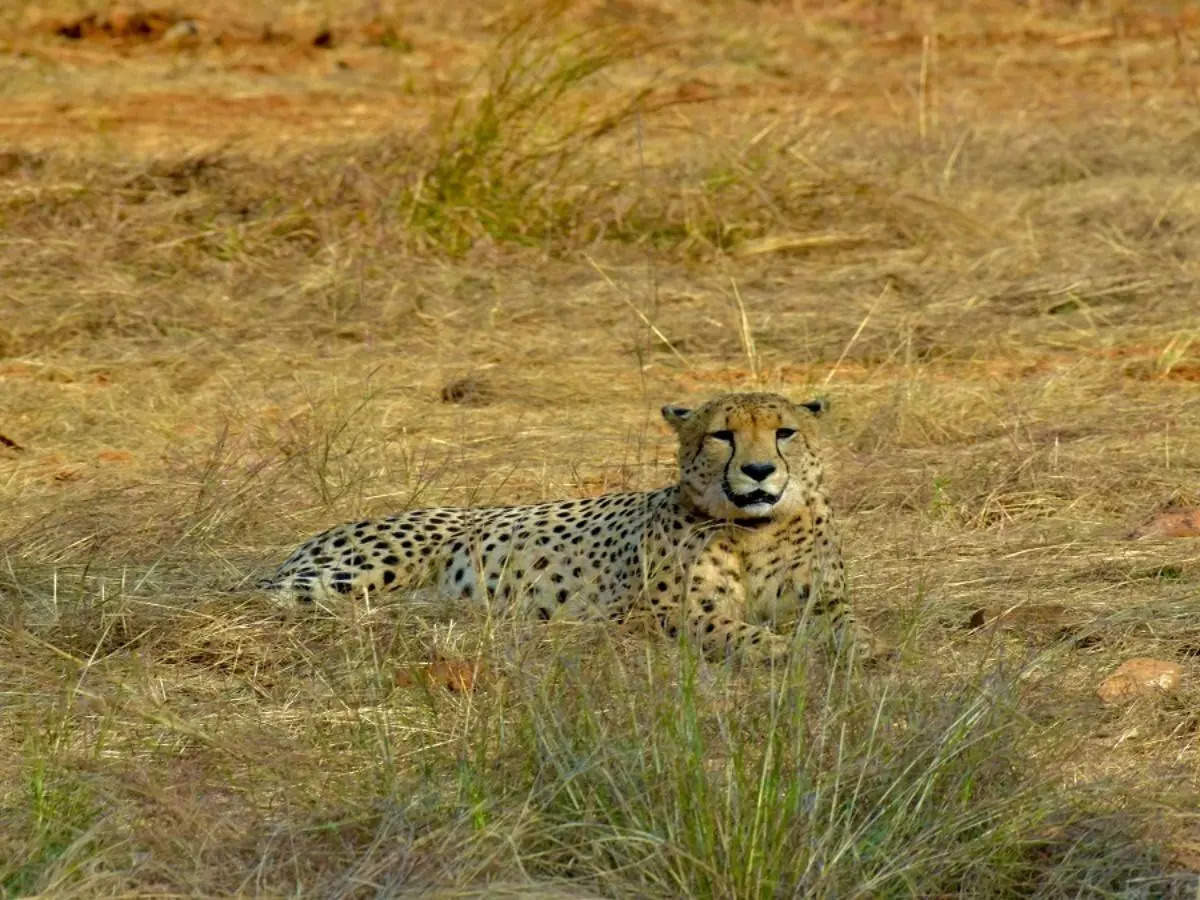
(754,498)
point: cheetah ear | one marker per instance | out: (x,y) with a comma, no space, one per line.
(817,407)
(676,415)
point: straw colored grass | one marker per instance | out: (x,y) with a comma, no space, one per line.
(250,287)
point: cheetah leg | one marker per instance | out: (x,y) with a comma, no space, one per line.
(719,633)
(825,607)
(818,588)
(707,600)
(723,637)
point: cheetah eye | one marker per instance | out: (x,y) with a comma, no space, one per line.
(723,435)
(782,434)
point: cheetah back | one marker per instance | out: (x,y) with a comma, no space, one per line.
(579,559)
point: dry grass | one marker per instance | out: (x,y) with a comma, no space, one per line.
(236,277)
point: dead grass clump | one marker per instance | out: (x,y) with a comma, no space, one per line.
(505,163)
(712,789)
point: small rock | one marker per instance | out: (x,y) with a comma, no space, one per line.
(468,391)
(126,23)
(1140,676)
(455,676)
(9,162)
(120,20)
(1172,523)
(1027,615)
(78,29)
(1082,641)
(182,32)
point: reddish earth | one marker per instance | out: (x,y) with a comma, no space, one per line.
(217,72)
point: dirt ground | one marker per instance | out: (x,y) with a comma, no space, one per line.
(269,266)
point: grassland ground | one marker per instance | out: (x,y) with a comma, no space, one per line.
(269,266)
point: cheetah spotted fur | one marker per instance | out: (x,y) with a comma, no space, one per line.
(742,545)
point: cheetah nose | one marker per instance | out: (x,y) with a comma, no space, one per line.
(758,471)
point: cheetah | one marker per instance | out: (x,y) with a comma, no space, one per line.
(742,545)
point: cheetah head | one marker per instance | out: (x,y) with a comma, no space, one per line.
(747,456)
